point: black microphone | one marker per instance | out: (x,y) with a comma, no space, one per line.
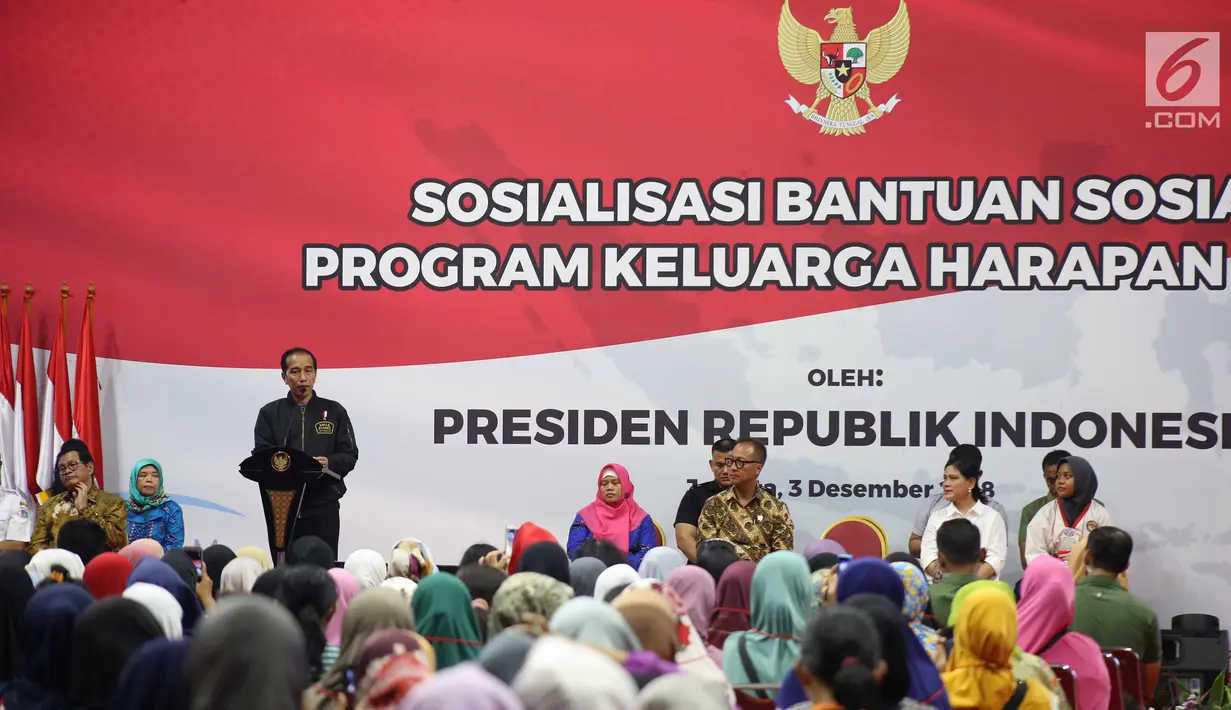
(287,436)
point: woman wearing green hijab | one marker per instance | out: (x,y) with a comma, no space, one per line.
(445,617)
(1025,666)
(151,514)
(781,597)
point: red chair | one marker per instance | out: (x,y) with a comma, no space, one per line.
(1117,684)
(1130,672)
(1068,683)
(858,536)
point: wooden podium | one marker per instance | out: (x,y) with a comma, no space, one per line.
(283,475)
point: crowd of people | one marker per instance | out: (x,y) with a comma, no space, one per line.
(733,617)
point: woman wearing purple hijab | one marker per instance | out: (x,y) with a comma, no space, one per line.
(816,547)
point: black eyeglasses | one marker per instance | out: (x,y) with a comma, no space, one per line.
(68,467)
(738,463)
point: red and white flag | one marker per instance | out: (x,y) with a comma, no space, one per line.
(25,398)
(57,425)
(86,424)
(12,478)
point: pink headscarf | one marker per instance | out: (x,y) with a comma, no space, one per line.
(141,549)
(1045,610)
(347,586)
(613,522)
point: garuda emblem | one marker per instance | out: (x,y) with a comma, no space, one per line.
(843,66)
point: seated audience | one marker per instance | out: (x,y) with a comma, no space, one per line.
(546,558)
(781,601)
(308,592)
(45,643)
(660,562)
(841,665)
(411,559)
(161,605)
(444,616)
(523,593)
(370,611)
(1109,614)
(960,554)
(214,559)
(392,663)
(616,577)
(1064,522)
(564,674)
(151,514)
(462,686)
(141,549)
(746,514)
(75,496)
(107,575)
(915,606)
(238,576)
(44,563)
(1044,616)
(106,634)
(980,675)
(153,678)
(312,551)
(1026,666)
(583,574)
(526,535)
(937,500)
(475,553)
(1051,462)
(257,553)
(698,593)
(602,550)
(732,603)
(15,592)
(614,516)
(368,567)
(345,587)
(715,556)
(961,489)
(688,516)
(248,654)
(82,537)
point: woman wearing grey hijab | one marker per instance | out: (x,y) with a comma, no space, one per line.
(583,574)
(249,653)
(505,654)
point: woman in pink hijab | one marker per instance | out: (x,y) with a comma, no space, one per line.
(347,586)
(1044,616)
(141,549)
(614,516)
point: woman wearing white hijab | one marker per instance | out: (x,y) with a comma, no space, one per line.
(368,567)
(162,605)
(43,560)
(239,575)
(560,674)
(402,585)
(613,577)
(660,562)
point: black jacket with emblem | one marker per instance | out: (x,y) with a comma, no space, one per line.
(321,428)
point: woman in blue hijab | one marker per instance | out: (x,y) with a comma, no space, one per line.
(151,514)
(154,678)
(872,575)
(45,640)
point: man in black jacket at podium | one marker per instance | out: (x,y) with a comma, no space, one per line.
(320,428)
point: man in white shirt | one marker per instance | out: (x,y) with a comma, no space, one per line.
(16,520)
(937,501)
(965,501)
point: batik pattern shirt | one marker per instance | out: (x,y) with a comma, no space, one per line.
(761,527)
(106,509)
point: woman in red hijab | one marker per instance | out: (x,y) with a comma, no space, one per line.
(526,535)
(614,516)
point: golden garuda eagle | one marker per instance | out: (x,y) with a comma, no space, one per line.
(843,66)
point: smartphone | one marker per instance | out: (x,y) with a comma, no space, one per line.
(200,567)
(194,554)
(509,533)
